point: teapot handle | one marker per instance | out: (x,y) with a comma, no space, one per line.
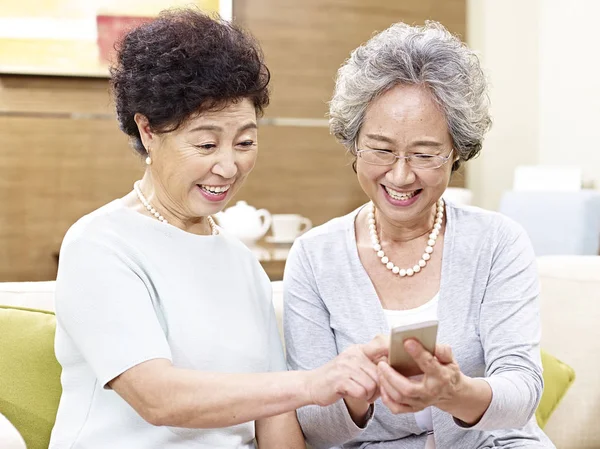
(266,224)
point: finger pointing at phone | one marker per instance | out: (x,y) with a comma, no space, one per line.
(351,376)
(377,349)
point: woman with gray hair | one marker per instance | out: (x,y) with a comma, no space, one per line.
(411,106)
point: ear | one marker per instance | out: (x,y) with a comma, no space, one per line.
(148,137)
(455,155)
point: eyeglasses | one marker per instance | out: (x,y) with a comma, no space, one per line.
(418,160)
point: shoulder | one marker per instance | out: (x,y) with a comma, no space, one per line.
(330,233)
(99,226)
(471,221)
(477,231)
(325,245)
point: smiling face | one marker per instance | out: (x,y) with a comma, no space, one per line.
(406,121)
(197,168)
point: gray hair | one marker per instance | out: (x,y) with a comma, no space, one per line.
(419,55)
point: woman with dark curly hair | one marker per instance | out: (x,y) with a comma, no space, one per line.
(165,327)
(411,106)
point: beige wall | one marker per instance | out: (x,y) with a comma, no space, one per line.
(569,85)
(540,57)
(505,33)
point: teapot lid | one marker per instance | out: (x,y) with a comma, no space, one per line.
(240,207)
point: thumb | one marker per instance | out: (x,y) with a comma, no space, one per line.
(444,354)
(377,348)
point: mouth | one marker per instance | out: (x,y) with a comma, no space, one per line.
(401,196)
(215,190)
(214,193)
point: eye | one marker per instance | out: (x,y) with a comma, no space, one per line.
(246,144)
(382,150)
(423,157)
(206,146)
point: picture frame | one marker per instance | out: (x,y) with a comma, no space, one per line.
(74,37)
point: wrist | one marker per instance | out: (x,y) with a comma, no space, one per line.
(304,386)
(358,410)
(470,400)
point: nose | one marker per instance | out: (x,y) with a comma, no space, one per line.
(401,173)
(226,164)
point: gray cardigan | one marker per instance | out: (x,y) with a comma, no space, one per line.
(488,313)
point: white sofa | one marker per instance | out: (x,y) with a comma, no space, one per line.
(570,317)
(570,303)
(9,436)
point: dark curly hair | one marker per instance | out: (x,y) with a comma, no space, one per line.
(181,64)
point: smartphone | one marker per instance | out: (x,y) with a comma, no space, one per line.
(425,332)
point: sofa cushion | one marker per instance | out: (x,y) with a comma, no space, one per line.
(34,295)
(570,307)
(558,377)
(30,386)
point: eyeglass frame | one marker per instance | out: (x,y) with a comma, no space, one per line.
(444,159)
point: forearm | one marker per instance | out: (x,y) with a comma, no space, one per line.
(514,397)
(193,399)
(279,432)
(209,400)
(470,402)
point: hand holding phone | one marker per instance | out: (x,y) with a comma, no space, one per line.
(424,332)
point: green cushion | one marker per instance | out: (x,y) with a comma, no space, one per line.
(558,377)
(29,373)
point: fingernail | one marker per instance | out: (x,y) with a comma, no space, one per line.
(411,346)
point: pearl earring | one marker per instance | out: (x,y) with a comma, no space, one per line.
(148,160)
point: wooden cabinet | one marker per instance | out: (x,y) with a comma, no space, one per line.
(306,42)
(62,154)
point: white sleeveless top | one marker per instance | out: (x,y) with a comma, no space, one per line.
(425,312)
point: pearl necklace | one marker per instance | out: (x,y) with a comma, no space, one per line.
(149,208)
(435,232)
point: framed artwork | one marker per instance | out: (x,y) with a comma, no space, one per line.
(76,37)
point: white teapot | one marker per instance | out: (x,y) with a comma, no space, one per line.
(245,222)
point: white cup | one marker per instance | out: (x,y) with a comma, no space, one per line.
(286,227)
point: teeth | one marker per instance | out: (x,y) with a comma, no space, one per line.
(398,195)
(215,189)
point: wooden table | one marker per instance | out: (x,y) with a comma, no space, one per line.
(272,257)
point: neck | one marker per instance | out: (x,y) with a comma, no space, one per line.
(393,232)
(160,200)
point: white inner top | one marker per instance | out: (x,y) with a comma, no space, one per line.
(425,312)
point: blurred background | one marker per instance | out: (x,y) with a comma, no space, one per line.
(62,154)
